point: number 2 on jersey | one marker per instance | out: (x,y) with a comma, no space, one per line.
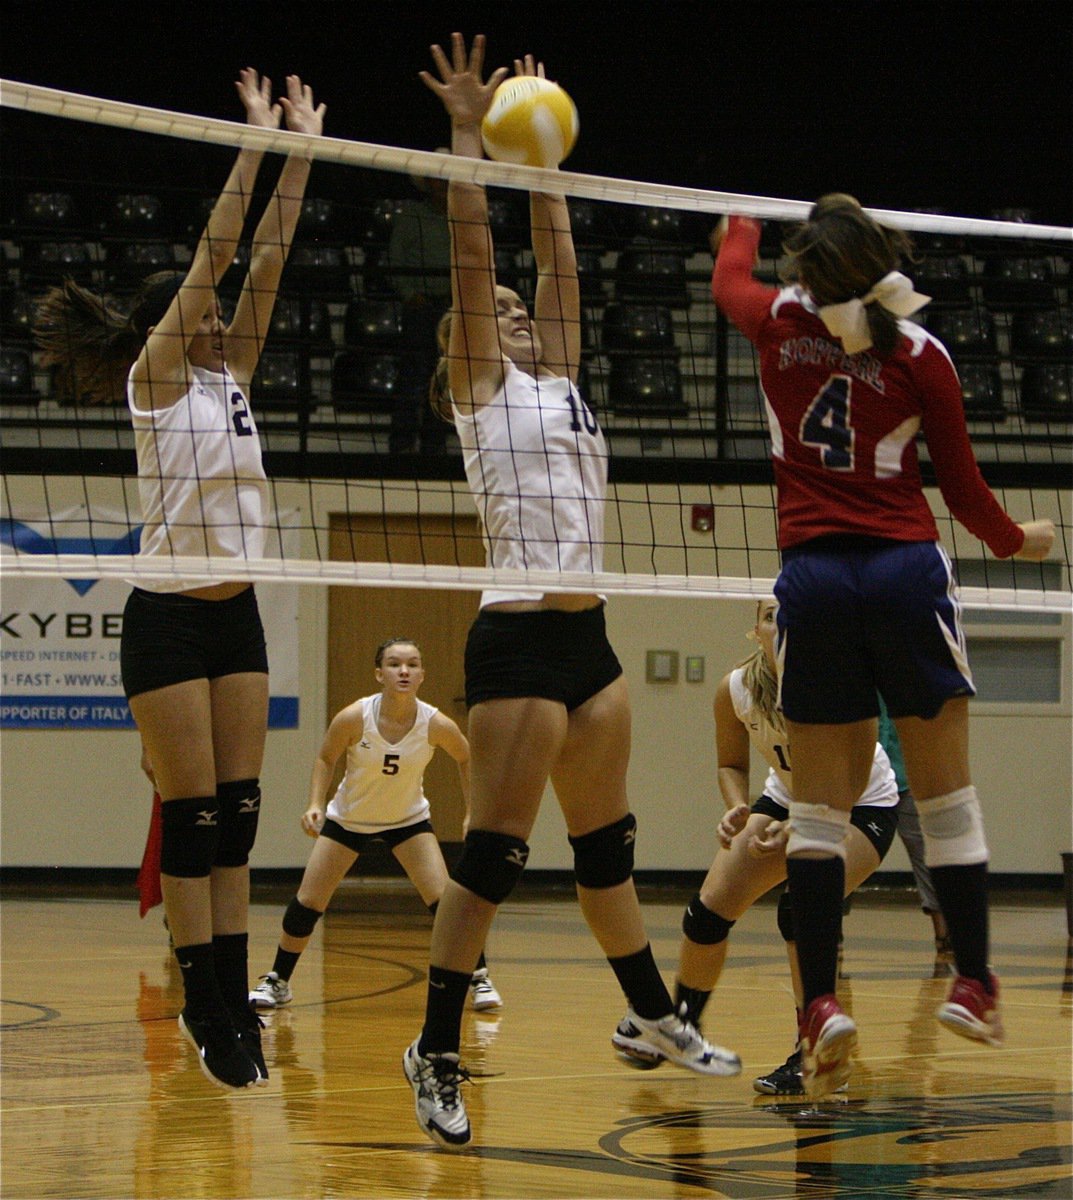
(826,424)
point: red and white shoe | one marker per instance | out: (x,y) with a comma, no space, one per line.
(970,1011)
(827,1038)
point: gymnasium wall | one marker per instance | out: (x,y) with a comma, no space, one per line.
(78,799)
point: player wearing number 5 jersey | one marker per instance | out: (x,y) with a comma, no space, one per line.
(866,597)
(546,693)
(388,739)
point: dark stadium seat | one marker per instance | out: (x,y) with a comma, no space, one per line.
(637,328)
(967,333)
(134,214)
(318,267)
(318,219)
(645,386)
(45,211)
(47,262)
(365,382)
(281,380)
(945,278)
(378,220)
(652,272)
(981,387)
(669,225)
(300,320)
(129,262)
(589,225)
(16,315)
(17,376)
(591,277)
(373,321)
(1047,392)
(1011,281)
(1041,333)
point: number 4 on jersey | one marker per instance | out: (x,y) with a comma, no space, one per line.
(826,424)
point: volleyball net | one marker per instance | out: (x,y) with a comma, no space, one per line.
(367,487)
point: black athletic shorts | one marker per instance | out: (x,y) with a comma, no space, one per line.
(170,638)
(358,841)
(552,655)
(878,824)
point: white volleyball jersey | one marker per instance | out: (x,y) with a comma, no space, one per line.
(536,461)
(382,788)
(882,789)
(200,478)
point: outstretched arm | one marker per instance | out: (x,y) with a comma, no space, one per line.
(272,238)
(161,373)
(475,358)
(557,306)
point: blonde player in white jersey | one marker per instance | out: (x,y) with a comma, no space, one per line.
(752,855)
(546,693)
(389,739)
(193,657)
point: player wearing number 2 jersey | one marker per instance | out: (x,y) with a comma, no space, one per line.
(193,656)
(866,596)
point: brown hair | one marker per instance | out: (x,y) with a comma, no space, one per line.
(439,386)
(91,342)
(840,252)
(395,641)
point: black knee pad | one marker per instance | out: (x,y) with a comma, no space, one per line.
(299,921)
(604,858)
(240,808)
(785,917)
(703,926)
(491,864)
(190,833)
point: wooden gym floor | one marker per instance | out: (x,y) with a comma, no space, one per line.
(102,1099)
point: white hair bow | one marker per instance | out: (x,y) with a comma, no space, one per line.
(849,321)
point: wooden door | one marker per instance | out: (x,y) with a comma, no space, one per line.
(359,619)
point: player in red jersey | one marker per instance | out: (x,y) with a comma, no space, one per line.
(848,383)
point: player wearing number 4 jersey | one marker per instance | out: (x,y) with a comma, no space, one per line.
(388,738)
(866,596)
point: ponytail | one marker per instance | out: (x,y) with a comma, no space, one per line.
(763,687)
(90,343)
(439,386)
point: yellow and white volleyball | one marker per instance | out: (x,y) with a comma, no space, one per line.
(531,122)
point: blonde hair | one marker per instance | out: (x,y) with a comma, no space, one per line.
(439,386)
(761,682)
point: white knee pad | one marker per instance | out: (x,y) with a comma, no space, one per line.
(953,828)
(817,827)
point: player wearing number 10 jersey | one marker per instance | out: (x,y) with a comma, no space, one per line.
(866,595)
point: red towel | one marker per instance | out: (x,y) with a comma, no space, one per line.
(149,893)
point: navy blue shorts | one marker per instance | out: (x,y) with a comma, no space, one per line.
(170,638)
(878,823)
(552,655)
(857,615)
(358,841)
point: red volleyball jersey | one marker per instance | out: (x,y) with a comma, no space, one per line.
(843,426)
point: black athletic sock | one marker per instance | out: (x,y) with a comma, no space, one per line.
(639,978)
(200,987)
(816,887)
(229,951)
(447,991)
(286,961)
(962,892)
(693,998)
(482,963)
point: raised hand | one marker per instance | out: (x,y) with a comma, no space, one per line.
(256,96)
(465,96)
(528,66)
(298,110)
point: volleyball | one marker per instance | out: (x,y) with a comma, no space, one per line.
(532,122)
